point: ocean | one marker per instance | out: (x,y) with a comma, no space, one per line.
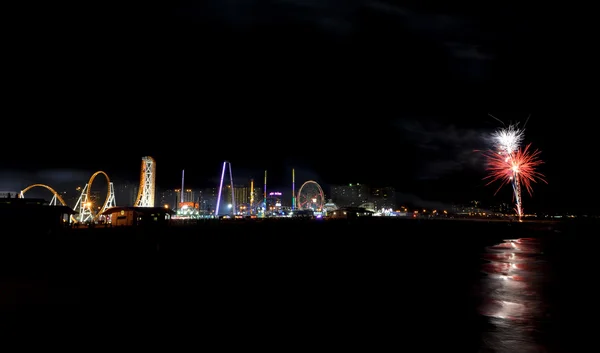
(407,285)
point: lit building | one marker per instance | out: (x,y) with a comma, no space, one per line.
(349,195)
(125,193)
(274,201)
(502,209)
(9,194)
(257,200)
(188,195)
(138,216)
(350,212)
(472,208)
(169,198)
(242,197)
(208,200)
(383,198)
(227,196)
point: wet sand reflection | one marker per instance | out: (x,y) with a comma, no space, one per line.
(511,296)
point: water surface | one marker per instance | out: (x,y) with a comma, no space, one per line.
(513,297)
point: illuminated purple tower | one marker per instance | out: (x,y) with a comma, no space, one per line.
(225,164)
(232,189)
(293,189)
(265,196)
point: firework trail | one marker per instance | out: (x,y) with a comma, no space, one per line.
(508,163)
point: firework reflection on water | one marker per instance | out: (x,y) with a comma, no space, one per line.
(511,297)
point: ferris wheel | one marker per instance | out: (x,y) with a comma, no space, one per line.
(310,197)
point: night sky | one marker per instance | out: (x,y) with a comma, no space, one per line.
(378,92)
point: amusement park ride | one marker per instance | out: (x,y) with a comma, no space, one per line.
(310,196)
(84,206)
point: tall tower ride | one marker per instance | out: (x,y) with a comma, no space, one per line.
(145,196)
(293,189)
(225,164)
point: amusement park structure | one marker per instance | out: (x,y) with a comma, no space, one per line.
(265,194)
(293,189)
(87,211)
(84,205)
(145,196)
(225,165)
(55,195)
(251,195)
(310,196)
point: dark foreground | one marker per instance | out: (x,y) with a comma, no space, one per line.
(404,285)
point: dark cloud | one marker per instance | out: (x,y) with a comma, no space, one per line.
(453,34)
(443,148)
(61,176)
(463,39)
(11,180)
(244,13)
(55,178)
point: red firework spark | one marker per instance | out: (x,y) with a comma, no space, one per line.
(520,164)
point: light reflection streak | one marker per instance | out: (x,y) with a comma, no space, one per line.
(511,295)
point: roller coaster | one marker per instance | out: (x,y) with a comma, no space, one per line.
(84,206)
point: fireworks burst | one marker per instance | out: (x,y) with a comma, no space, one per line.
(520,166)
(508,140)
(509,164)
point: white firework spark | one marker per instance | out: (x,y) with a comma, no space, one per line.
(508,140)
